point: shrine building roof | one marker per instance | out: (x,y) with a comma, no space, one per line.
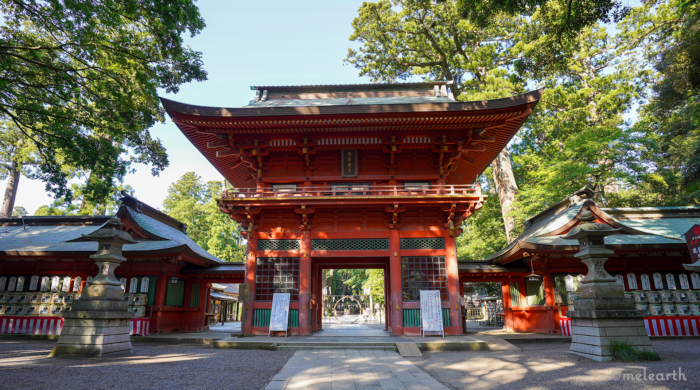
(642,228)
(156,233)
(279,118)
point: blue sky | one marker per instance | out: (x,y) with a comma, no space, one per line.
(245,43)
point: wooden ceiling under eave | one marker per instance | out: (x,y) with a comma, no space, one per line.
(500,118)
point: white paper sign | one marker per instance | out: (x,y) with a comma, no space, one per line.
(646,286)
(133,285)
(144,284)
(66,284)
(123,283)
(632,281)
(620,280)
(33,283)
(54,284)
(3,282)
(431,311)
(569,280)
(44,284)
(20,284)
(684,281)
(658,281)
(694,277)
(280,312)
(13,283)
(76,283)
(670,281)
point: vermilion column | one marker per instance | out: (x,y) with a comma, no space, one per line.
(396,296)
(508,319)
(250,264)
(453,285)
(305,284)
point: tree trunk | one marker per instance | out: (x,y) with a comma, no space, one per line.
(506,187)
(8,201)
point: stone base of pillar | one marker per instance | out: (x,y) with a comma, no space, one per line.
(592,331)
(95,328)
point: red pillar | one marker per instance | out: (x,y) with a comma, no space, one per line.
(508,319)
(251,262)
(396,293)
(305,283)
(548,284)
(453,285)
(161,285)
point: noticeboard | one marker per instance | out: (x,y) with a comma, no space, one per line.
(431,311)
(280,312)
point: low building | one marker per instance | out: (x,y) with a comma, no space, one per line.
(167,276)
(650,251)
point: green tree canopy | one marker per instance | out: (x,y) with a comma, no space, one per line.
(193,202)
(80,79)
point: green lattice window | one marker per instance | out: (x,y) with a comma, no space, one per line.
(514,294)
(278,245)
(423,243)
(350,245)
(423,273)
(276,275)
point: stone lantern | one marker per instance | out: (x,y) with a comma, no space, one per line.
(602,312)
(99,324)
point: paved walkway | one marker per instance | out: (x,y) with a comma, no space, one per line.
(352,369)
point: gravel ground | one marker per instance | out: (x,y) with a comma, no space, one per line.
(550,366)
(24,365)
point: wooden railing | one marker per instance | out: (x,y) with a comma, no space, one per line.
(431,190)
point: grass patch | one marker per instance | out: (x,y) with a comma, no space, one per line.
(624,352)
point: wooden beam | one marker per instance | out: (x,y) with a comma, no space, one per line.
(227,152)
(466,159)
(474,147)
(483,138)
(217,144)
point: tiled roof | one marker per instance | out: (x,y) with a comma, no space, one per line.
(642,226)
(349,101)
(350,87)
(60,236)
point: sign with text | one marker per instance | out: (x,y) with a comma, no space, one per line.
(431,311)
(692,238)
(348,162)
(280,312)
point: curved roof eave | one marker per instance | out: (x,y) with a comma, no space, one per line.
(495,104)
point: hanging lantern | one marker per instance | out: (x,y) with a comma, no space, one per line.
(533,277)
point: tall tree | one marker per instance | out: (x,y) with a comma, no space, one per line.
(80,79)
(193,202)
(431,40)
(17,156)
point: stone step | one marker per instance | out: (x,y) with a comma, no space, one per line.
(313,347)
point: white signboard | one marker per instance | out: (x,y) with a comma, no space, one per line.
(694,277)
(671,281)
(280,313)
(684,281)
(77,283)
(3,282)
(658,281)
(646,286)
(65,287)
(123,283)
(34,283)
(20,284)
(144,284)
(133,285)
(13,283)
(431,312)
(632,281)
(620,280)
(54,283)
(44,284)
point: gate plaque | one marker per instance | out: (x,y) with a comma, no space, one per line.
(348,163)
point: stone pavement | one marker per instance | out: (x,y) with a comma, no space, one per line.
(352,369)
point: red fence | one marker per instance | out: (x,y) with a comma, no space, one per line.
(54,325)
(656,326)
